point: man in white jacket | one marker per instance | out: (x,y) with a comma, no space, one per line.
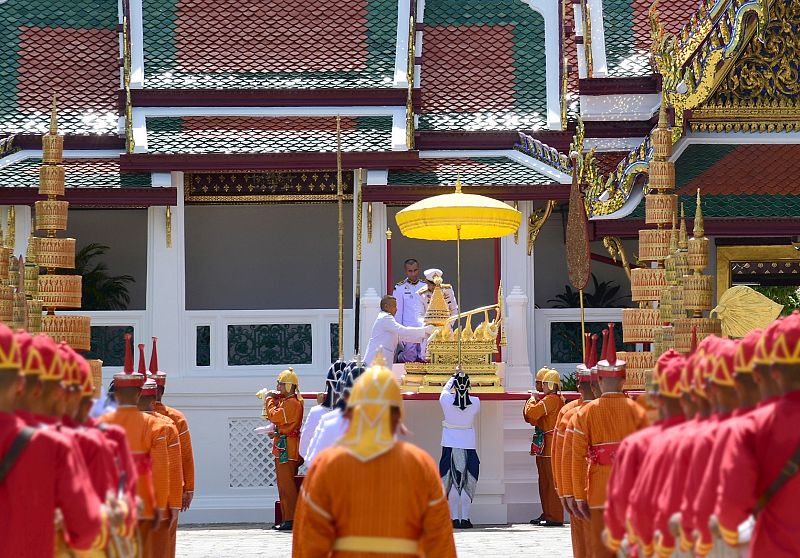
(387,333)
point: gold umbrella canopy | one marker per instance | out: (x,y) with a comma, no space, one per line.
(458,216)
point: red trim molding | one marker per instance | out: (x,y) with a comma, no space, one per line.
(618,86)
(145,162)
(34,141)
(268,97)
(97,197)
(406,194)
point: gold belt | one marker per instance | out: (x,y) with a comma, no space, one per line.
(387,545)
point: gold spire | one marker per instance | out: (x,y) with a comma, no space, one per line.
(683,237)
(458,184)
(673,237)
(662,114)
(698,231)
(54,118)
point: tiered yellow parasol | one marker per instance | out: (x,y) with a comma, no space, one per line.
(458,216)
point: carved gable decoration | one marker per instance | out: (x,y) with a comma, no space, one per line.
(761,92)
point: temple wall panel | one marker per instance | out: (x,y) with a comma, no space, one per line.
(265,257)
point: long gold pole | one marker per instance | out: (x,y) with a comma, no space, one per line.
(357,301)
(340,203)
(583,326)
(458,287)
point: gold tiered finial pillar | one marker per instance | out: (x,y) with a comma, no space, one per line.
(648,284)
(55,291)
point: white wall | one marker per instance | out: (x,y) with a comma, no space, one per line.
(124,231)
(265,257)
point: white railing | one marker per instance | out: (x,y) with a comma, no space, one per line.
(543,320)
(218,322)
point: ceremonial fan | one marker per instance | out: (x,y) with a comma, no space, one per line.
(458,216)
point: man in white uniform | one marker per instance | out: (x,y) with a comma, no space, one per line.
(387,333)
(408,310)
(459,465)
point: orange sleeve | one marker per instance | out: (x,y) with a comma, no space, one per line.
(566,459)
(580,451)
(534,410)
(555,454)
(187,454)
(437,527)
(286,414)
(160,463)
(314,532)
(175,467)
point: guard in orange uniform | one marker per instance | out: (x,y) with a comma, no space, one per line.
(147,438)
(39,473)
(543,414)
(760,485)
(666,392)
(371,495)
(184,437)
(600,427)
(578,527)
(283,407)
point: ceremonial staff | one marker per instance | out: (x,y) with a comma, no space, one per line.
(357,302)
(578,262)
(340,202)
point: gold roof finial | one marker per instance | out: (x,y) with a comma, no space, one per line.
(54,118)
(662,114)
(683,237)
(698,231)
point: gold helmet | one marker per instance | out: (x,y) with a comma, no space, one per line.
(370,432)
(552,379)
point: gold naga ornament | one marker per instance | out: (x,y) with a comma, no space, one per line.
(743,309)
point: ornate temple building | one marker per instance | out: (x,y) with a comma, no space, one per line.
(200,153)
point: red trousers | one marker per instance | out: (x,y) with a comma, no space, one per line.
(551,504)
(287,488)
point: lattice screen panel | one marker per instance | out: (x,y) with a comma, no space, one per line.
(251,462)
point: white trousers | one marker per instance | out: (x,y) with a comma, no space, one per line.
(454,499)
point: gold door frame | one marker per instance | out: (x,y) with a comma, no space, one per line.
(729,254)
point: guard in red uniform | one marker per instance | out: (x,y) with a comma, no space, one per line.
(725,399)
(643,500)
(676,466)
(760,486)
(749,396)
(39,473)
(666,392)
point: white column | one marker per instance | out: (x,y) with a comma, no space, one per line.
(373,268)
(516,271)
(166,286)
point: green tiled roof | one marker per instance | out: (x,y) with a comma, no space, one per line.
(231,134)
(484,171)
(483,66)
(229,44)
(626,54)
(68,48)
(79,173)
(747,181)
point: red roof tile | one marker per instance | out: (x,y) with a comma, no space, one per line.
(257,36)
(607,161)
(751,169)
(672,14)
(467,69)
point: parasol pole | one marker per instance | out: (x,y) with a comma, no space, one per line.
(357,301)
(340,203)
(458,287)
(583,325)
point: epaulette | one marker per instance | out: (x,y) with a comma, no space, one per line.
(422,290)
(399,283)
